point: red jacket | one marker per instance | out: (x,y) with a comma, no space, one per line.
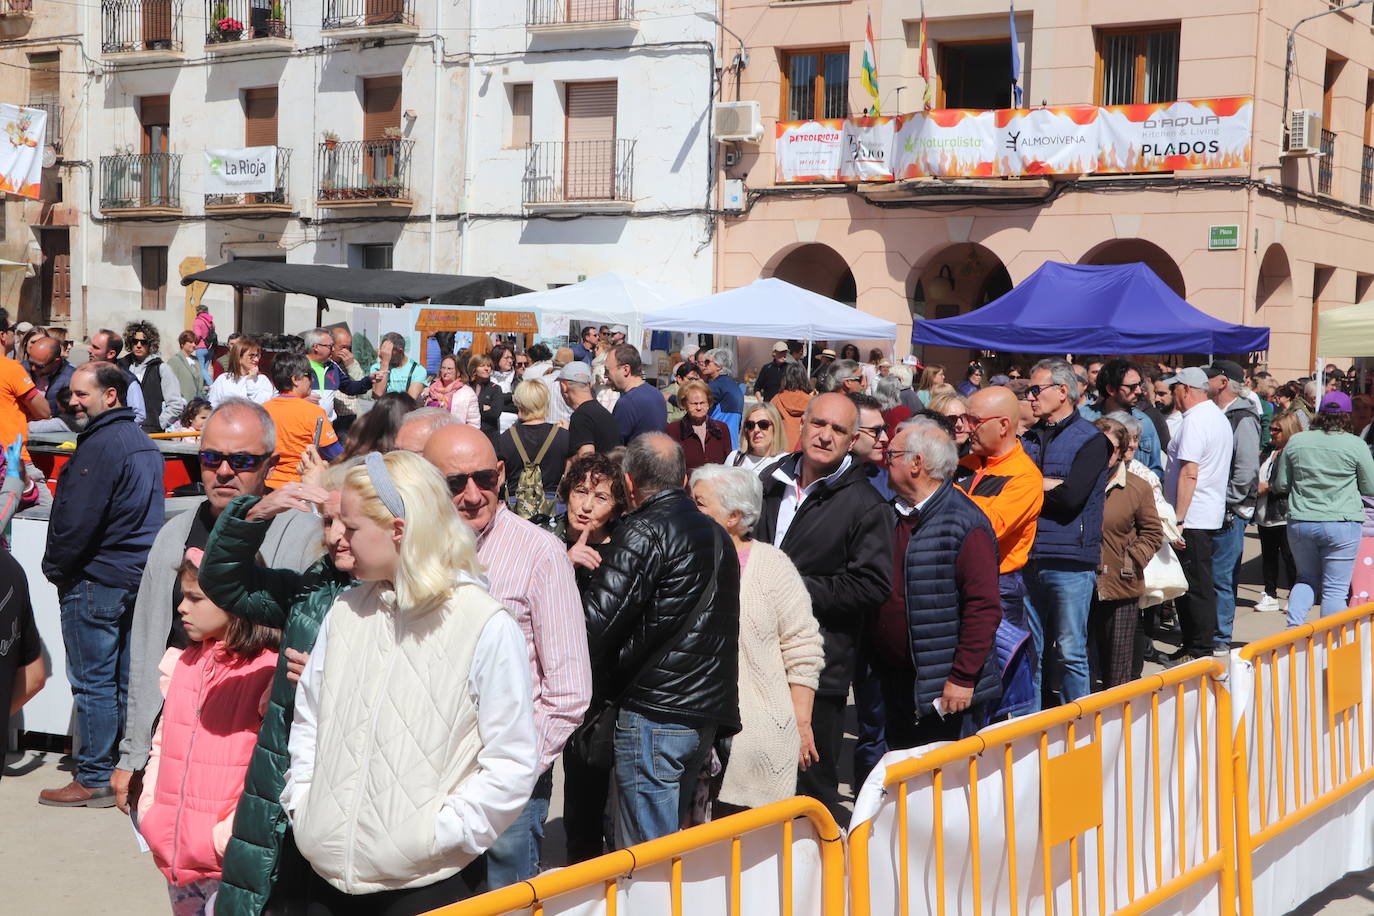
(201,749)
(715,450)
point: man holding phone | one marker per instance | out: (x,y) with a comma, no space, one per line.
(300,422)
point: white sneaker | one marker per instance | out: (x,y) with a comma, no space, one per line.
(1267,602)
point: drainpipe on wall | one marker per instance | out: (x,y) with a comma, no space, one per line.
(1250,231)
(86,225)
(438,47)
(466,202)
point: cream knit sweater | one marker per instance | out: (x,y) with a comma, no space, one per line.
(779,645)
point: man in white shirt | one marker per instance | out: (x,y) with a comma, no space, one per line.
(1195,483)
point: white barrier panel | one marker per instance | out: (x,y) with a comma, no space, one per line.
(1156,793)
(1297,749)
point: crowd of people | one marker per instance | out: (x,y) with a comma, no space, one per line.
(340,683)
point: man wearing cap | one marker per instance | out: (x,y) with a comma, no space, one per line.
(1195,483)
(1226,380)
(769,381)
(591,428)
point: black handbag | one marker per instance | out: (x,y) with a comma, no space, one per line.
(594,740)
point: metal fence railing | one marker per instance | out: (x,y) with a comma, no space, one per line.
(279,196)
(363,170)
(347,14)
(1367,176)
(243,20)
(54,111)
(1326,164)
(140,25)
(15,7)
(145,180)
(579,170)
(553,12)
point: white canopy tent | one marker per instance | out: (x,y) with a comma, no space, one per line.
(1347,331)
(610,298)
(16,267)
(772,308)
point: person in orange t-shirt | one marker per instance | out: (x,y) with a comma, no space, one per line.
(20,402)
(1006,484)
(295,418)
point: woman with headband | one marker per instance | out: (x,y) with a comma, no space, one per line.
(413,744)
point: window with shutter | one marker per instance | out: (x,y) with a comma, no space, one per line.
(45,80)
(260,117)
(152,276)
(521,112)
(589,153)
(381,110)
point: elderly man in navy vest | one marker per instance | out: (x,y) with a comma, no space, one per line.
(931,642)
(1062,572)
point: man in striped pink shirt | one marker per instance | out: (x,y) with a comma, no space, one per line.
(529,572)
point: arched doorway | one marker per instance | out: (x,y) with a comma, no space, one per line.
(1275,283)
(950,281)
(820,269)
(1128,251)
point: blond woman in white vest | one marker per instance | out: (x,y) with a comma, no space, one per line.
(413,745)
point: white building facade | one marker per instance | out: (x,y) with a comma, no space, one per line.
(590,146)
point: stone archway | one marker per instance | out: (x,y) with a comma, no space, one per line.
(1128,251)
(954,280)
(1274,286)
(820,269)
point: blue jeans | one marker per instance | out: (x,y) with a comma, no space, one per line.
(1227,546)
(1324,553)
(656,770)
(95,632)
(1058,598)
(203,357)
(514,857)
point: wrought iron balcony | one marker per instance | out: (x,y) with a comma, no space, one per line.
(1367,177)
(20,8)
(582,173)
(245,25)
(54,121)
(276,201)
(146,28)
(363,173)
(142,182)
(578,14)
(1326,165)
(359,18)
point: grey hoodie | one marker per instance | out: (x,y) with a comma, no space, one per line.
(1243,488)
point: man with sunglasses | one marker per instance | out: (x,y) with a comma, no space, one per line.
(871,442)
(236,456)
(585,348)
(48,369)
(1062,571)
(529,572)
(1120,384)
(107,510)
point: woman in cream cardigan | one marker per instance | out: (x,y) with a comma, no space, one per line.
(413,744)
(780,654)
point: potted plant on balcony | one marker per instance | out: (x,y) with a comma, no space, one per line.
(392,133)
(276,20)
(331,140)
(226,27)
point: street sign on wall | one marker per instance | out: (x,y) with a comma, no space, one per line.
(1223,238)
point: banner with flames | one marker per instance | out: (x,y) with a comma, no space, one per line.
(1069,140)
(21,150)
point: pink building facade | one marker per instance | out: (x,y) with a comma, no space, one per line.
(931,248)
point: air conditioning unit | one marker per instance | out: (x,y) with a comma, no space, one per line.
(1304,133)
(736,121)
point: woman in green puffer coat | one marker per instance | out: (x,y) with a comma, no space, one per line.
(261,862)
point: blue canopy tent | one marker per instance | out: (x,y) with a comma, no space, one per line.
(1074,308)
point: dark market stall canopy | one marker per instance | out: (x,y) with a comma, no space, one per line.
(1077,308)
(396,287)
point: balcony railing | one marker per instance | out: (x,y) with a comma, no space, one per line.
(578,12)
(579,170)
(54,121)
(350,14)
(137,182)
(1325,165)
(229,21)
(1367,177)
(140,25)
(269,200)
(356,172)
(16,7)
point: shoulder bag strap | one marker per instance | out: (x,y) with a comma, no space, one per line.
(544,449)
(520,445)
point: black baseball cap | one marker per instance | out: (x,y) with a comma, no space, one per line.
(1226,367)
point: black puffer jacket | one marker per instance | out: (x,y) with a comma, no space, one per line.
(840,540)
(652,575)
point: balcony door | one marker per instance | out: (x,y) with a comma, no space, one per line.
(381,111)
(155,120)
(260,129)
(385,12)
(589,150)
(157,24)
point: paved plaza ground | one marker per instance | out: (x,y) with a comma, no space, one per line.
(77,861)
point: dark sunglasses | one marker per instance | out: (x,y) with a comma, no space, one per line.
(750,425)
(239,461)
(138,340)
(1034,390)
(485,480)
(1136,386)
(522,364)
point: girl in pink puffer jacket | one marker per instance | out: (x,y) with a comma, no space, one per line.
(214,691)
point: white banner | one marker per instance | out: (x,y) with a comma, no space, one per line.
(948,143)
(1048,141)
(22,133)
(867,149)
(252,170)
(810,150)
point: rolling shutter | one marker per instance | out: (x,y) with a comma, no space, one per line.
(589,155)
(591,111)
(260,117)
(381,106)
(45,81)
(521,108)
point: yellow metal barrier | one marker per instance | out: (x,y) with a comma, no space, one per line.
(1325,717)
(1071,803)
(609,870)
